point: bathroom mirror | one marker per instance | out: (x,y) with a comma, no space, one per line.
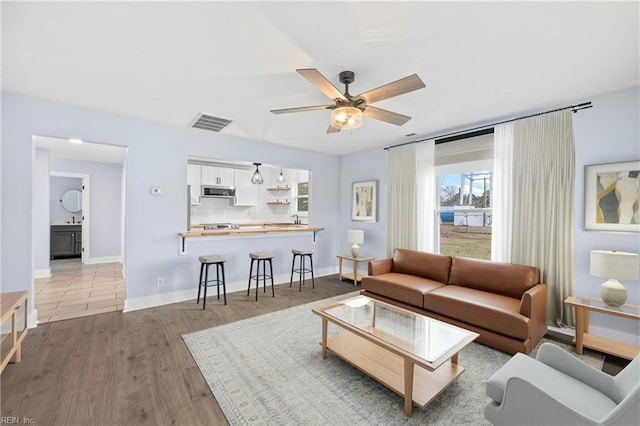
(72,201)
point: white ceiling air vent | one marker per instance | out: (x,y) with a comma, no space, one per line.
(209,122)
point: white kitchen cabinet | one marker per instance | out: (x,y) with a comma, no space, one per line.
(194,179)
(217,176)
(246,192)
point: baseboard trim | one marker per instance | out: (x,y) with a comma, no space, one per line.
(32,320)
(146,302)
(42,273)
(105,259)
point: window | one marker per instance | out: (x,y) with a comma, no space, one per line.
(464,179)
(301,198)
(465,215)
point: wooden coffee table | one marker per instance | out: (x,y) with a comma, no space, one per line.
(411,354)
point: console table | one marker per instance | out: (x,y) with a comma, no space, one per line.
(354,274)
(10,304)
(583,305)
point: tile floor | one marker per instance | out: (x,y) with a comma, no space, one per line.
(77,290)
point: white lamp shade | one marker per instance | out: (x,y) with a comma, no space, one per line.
(618,265)
(355,236)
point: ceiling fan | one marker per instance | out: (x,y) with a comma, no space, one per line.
(347,111)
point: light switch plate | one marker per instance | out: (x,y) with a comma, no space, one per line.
(157,190)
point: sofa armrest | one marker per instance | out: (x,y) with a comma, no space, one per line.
(380,266)
(533,305)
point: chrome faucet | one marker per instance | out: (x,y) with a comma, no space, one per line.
(297,221)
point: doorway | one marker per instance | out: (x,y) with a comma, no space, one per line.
(79,248)
(69,215)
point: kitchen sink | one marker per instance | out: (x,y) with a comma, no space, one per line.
(212,226)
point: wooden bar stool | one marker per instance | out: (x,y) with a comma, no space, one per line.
(303,253)
(205,262)
(261,257)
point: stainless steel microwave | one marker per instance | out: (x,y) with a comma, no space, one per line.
(218,191)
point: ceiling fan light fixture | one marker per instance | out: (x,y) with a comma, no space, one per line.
(257,177)
(346,118)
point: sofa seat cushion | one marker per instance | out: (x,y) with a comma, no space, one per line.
(559,386)
(493,312)
(404,288)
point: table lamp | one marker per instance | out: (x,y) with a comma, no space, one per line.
(614,265)
(355,237)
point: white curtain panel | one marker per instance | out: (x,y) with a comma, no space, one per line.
(402,209)
(501,222)
(427,194)
(543,194)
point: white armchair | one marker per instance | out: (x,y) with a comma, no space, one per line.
(557,388)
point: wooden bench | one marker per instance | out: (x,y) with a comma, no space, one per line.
(9,308)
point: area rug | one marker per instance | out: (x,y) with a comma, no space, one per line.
(268,370)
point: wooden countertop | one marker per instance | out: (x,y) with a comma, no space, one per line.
(249,229)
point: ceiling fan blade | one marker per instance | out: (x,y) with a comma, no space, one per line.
(332,129)
(398,87)
(319,80)
(384,115)
(302,109)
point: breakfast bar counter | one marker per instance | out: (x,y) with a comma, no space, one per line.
(199,231)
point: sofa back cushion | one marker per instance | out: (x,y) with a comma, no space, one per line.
(427,265)
(501,278)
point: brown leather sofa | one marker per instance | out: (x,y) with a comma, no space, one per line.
(505,303)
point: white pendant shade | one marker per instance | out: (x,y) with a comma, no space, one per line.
(257,177)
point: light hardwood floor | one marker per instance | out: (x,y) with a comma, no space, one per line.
(132,368)
(76,290)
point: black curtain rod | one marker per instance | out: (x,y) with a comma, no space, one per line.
(488,128)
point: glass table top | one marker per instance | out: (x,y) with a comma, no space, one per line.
(599,303)
(421,336)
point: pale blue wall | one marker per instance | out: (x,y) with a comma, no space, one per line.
(41,218)
(157,156)
(364,166)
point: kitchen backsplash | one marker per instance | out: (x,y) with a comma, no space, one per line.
(214,210)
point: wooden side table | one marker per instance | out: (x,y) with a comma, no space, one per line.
(353,275)
(583,305)
(9,306)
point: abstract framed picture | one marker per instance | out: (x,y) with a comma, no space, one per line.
(612,201)
(363,201)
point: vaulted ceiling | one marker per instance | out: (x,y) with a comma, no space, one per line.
(169,61)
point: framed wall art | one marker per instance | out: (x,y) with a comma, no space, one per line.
(611,197)
(363,201)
